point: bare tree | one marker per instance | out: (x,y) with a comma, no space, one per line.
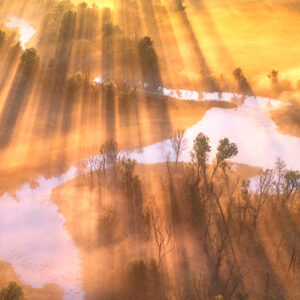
(162,233)
(243,206)
(147,228)
(220,242)
(263,190)
(110,153)
(109,159)
(279,171)
(91,166)
(292,246)
(178,143)
(291,187)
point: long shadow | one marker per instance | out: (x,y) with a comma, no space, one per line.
(8,64)
(269,281)
(207,18)
(186,275)
(130,23)
(108,37)
(130,18)
(174,57)
(109,94)
(23,8)
(148,55)
(288,226)
(6,45)
(61,65)
(151,74)
(208,81)
(195,223)
(129,72)
(185,271)
(68,104)
(86,32)
(184,267)
(16,102)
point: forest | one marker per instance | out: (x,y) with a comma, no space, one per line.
(149,150)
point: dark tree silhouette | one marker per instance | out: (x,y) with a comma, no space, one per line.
(242,83)
(149,64)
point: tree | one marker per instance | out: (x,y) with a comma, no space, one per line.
(2,37)
(178,143)
(200,153)
(108,228)
(149,63)
(291,188)
(13,291)
(225,151)
(109,155)
(126,173)
(162,234)
(137,271)
(264,187)
(29,60)
(201,149)
(280,169)
(109,91)
(275,86)
(242,83)
(78,81)
(180,5)
(286,183)
(278,86)
(68,26)
(220,241)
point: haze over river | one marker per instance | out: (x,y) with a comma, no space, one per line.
(34,232)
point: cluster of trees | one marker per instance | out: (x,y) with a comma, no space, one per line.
(8,38)
(12,291)
(205,203)
(79,84)
(29,61)
(70,34)
(222,211)
(243,85)
(149,63)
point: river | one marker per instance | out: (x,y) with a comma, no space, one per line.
(33,235)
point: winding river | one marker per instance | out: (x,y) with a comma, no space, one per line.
(34,234)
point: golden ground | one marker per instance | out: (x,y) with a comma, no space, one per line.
(76,202)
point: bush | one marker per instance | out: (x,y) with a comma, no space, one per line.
(12,292)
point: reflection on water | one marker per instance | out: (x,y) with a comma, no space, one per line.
(34,239)
(33,236)
(189,95)
(250,126)
(33,232)
(25,29)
